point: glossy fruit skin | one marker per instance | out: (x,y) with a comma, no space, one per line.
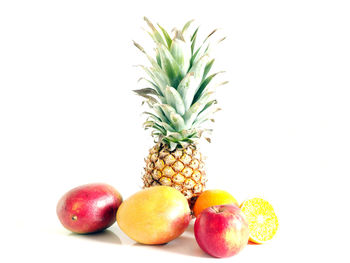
(89,208)
(154,215)
(221,231)
(213,197)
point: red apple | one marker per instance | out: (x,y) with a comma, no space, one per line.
(89,208)
(221,231)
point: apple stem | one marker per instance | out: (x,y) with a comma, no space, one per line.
(74,217)
(216,210)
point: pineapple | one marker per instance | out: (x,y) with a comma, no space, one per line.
(181,106)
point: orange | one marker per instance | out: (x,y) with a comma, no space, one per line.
(212,197)
(262,220)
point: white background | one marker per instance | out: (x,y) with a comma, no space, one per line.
(68,117)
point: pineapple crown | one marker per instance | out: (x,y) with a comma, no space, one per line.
(179,96)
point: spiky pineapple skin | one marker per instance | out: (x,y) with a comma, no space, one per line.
(182,169)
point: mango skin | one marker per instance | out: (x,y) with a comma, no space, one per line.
(154,215)
(89,208)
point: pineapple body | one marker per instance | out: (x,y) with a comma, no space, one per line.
(179,96)
(182,168)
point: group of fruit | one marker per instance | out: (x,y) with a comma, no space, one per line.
(181,107)
(159,214)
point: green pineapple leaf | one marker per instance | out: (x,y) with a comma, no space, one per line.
(203,86)
(186,26)
(169,65)
(179,85)
(166,36)
(156,36)
(174,99)
(207,68)
(181,52)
